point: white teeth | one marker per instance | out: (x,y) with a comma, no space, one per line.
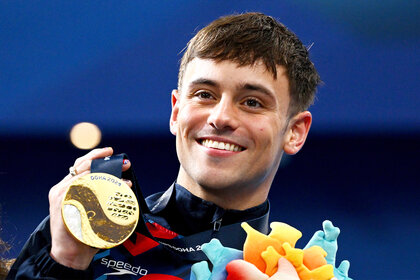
(220,145)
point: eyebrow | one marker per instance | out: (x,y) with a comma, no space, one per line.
(256,87)
(242,86)
(204,81)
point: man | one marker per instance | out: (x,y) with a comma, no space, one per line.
(245,83)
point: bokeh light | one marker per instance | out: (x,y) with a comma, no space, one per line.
(85,135)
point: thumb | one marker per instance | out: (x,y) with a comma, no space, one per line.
(243,270)
(286,271)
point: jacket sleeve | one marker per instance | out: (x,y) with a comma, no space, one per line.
(35,262)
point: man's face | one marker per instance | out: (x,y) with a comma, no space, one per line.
(230,124)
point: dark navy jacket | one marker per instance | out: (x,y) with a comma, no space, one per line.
(178,223)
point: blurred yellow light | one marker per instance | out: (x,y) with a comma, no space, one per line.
(85,135)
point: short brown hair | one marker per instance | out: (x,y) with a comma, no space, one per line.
(246,38)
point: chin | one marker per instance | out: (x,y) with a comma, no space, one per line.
(218,183)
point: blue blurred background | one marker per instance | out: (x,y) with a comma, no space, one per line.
(114,63)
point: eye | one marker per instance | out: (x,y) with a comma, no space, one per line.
(252,102)
(203,95)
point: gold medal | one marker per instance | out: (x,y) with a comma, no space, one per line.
(100,210)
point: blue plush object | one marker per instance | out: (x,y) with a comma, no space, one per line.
(327,239)
(219,256)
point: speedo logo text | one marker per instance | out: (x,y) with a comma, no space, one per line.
(122,268)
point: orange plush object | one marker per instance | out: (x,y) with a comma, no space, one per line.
(264,251)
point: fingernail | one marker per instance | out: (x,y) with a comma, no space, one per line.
(125,161)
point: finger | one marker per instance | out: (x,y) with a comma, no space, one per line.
(240,269)
(83,166)
(285,271)
(128,182)
(74,178)
(71,178)
(57,192)
(126,165)
(80,169)
(86,164)
(94,154)
(83,163)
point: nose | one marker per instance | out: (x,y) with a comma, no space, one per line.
(223,115)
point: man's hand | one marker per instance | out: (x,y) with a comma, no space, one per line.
(242,270)
(65,249)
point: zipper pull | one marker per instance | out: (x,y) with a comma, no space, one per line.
(217,224)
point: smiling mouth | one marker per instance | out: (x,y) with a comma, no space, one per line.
(220,145)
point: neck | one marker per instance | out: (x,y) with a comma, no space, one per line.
(236,197)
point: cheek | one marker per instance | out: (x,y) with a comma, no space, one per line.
(189,120)
(270,136)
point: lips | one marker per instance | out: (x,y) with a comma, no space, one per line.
(221,145)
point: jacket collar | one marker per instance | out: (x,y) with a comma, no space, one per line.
(179,210)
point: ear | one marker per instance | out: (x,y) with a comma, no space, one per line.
(173,123)
(298,130)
